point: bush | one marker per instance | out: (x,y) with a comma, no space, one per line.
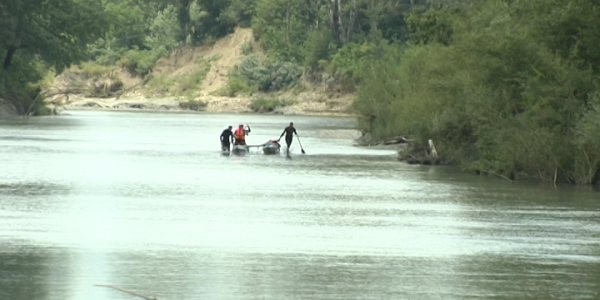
(141,62)
(247,48)
(240,12)
(283,74)
(251,69)
(91,69)
(22,84)
(496,100)
(319,46)
(103,52)
(180,85)
(189,82)
(269,104)
(236,85)
(272,76)
(197,105)
(346,64)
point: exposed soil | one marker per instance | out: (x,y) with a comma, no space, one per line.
(223,55)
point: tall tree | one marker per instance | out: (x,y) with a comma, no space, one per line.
(56,30)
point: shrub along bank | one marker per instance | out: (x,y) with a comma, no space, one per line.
(502,87)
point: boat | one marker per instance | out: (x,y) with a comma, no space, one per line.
(271,147)
(240,149)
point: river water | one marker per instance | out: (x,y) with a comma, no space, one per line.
(147,203)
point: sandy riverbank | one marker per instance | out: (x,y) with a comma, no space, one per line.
(214,104)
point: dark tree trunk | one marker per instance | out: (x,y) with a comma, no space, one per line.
(9,55)
(187,28)
(287,21)
(334,19)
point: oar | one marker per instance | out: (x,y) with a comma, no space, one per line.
(303,152)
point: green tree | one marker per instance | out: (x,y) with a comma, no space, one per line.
(505,87)
(56,30)
(242,12)
(281,28)
(164,30)
(35,35)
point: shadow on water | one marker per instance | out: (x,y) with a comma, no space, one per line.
(47,123)
(486,190)
(183,275)
(32,189)
(37,139)
(24,272)
(529,277)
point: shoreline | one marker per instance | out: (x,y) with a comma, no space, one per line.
(67,108)
(216,105)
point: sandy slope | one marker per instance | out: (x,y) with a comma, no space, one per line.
(223,55)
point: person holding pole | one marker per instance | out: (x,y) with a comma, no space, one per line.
(289,137)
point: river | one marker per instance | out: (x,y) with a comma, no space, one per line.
(147,203)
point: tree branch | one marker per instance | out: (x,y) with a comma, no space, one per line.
(499,175)
(128,292)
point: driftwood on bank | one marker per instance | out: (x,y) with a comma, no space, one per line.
(74,83)
(368,140)
(396,140)
(128,292)
(417,153)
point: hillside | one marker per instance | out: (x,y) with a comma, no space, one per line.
(190,75)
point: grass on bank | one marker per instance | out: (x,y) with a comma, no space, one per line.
(91,69)
(263,105)
(197,105)
(181,85)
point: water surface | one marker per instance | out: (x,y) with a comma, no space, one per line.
(146,202)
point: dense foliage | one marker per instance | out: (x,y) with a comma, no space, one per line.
(508,87)
(35,35)
(504,87)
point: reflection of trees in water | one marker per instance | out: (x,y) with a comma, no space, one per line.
(185,275)
(342,277)
(529,277)
(33,189)
(165,274)
(538,243)
(23,274)
(180,275)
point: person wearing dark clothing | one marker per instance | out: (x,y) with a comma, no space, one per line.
(289,135)
(226,139)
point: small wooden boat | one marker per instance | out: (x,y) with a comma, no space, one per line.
(240,149)
(271,147)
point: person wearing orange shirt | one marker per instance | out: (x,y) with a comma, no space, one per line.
(240,134)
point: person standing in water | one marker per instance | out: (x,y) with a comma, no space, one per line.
(289,135)
(240,134)
(227,139)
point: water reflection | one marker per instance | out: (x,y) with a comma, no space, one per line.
(32,189)
(180,275)
(24,272)
(146,202)
(529,277)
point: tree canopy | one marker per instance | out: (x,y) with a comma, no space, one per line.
(508,87)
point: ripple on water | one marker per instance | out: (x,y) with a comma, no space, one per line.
(146,201)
